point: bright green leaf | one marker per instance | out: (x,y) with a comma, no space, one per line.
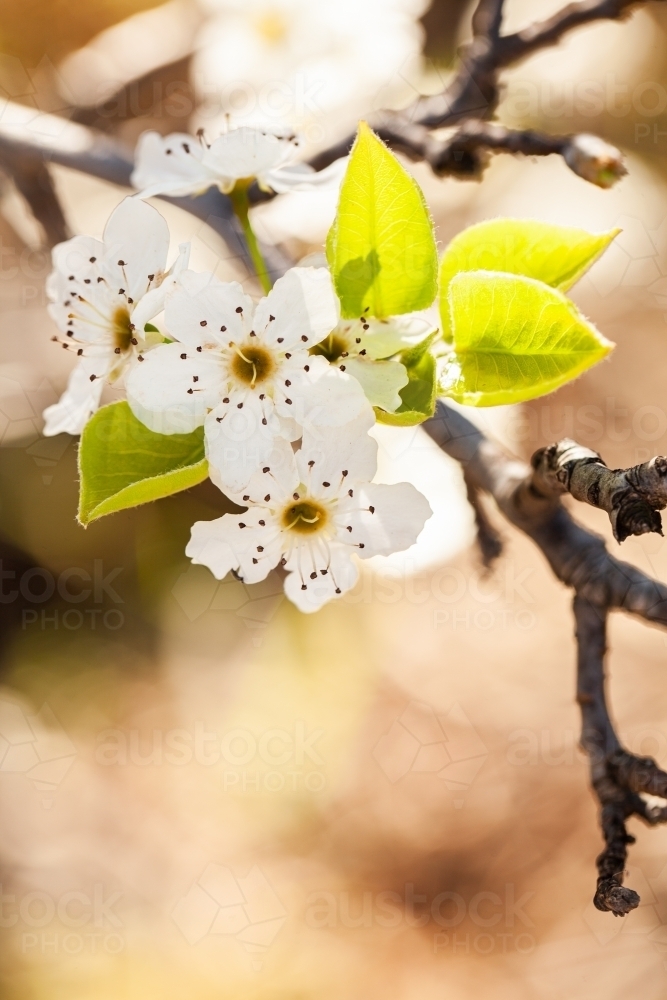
(515,339)
(381,247)
(123,464)
(418,395)
(556,255)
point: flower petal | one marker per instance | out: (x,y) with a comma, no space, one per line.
(385,337)
(153,302)
(302,177)
(328,398)
(272,485)
(334,573)
(304,306)
(398,516)
(237,442)
(332,460)
(244,152)
(201,309)
(136,243)
(162,391)
(380,381)
(178,172)
(76,405)
(237,542)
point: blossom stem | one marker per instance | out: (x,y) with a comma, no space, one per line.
(241,205)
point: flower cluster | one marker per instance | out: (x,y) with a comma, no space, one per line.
(283,389)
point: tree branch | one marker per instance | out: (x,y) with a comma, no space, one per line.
(530,498)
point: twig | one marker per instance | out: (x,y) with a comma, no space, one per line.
(530,499)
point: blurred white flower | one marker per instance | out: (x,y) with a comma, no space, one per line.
(244,372)
(298,61)
(364,347)
(180,165)
(103,293)
(311,512)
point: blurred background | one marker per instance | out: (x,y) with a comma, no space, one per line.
(204,793)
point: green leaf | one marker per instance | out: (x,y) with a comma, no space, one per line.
(515,339)
(123,464)
(418,395)
(149,328)
(381,247)
(556,255)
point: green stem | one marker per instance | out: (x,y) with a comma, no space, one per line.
(241,206)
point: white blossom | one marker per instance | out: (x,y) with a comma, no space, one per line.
(180,165)
(314,62)
(364,347)
(103,292)
(244,372)
(312,512)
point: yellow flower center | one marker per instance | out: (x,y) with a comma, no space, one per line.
(332,347)
(122,328)
(252,364)
(305,517)
(271,25)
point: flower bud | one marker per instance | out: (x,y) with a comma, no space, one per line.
(594,160)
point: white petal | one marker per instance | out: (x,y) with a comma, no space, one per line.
(310,594)
(399,514)
(237,442)
(136,234)
(163,394)
(244,152)
(200,305)
(302,177)
(177,173)
(330,398)
(153,302)
(339,457)
(385,337)
(76,405)
(273,484)
(304,306)
(224,545)
(380,380)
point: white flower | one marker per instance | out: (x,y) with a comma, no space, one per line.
(362,346)
(306,60)
(102,295)
(179,165)
(244,372)
(311,513)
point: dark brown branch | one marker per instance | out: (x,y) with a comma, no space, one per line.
(530,498)
(543,34)
(33,180)
(631,497)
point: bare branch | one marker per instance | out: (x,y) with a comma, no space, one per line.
(531,500)
(513,48)
(32,178)
(631,497)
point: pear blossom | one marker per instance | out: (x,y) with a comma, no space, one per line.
(103,293)
(244,372)
(312,512)
(180,165)
(309,61)
(364,347)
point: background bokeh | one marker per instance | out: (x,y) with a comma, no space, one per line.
(204,793)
